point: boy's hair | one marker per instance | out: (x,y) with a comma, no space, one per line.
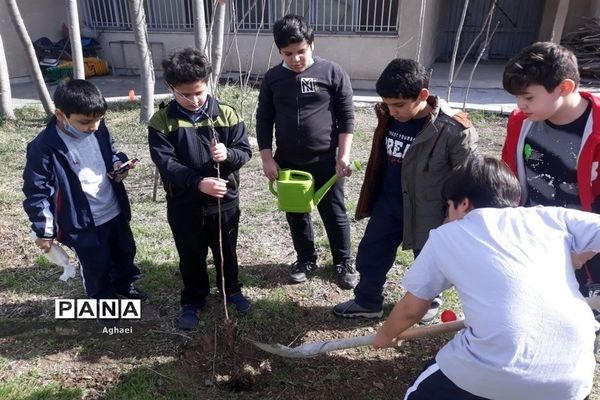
(542,63)
(78,96)
(485,181)
(186,65)
(402,79)
(292,29)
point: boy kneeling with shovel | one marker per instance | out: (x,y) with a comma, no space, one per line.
(529,332)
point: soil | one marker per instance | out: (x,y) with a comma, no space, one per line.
(218,361)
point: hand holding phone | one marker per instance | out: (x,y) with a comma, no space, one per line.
(121,172)
(126,166)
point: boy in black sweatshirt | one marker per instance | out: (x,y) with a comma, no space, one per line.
(309,101)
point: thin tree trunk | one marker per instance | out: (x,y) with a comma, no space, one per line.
(75,39)
(36,72)
(455,50)
(200,39)
(218,36)
(483,28)
(421,27)
(484,47)
(6,108)
(138,24)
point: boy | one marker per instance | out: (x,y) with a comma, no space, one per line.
(529,333)
(198,146)
(553,138)
(417,143)
(309,100)
(74,195)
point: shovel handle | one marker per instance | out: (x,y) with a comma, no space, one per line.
(357,341)
(432,330)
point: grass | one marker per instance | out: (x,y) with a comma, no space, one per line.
(41,358)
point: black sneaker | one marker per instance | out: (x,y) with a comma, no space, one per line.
(300,270)
(350,309)
(133,293)
(188,319)
(241,303)
(347,276)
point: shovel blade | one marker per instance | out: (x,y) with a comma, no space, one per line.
(283,351)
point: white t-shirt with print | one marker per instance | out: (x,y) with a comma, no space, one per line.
(529,332)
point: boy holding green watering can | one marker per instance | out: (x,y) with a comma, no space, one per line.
(309,101)
(417,143)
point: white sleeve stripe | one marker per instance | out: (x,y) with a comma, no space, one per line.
(49,223)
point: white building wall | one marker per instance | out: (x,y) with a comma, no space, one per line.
(42,18)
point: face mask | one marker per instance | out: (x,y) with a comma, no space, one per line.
(76,133)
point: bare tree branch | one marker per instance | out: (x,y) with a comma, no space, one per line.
(455,50)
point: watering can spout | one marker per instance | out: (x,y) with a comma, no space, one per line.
(319,194)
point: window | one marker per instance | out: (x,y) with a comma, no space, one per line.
(334,16)
(324,15)
(161,15)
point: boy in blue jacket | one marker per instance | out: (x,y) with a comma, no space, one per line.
(74,192)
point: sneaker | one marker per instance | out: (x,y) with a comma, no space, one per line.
(347,276)
(300,269)
(351,309)
(242,305)
(133,293)
(434,308)
(188,319)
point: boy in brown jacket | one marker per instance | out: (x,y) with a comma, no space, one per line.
(417,143)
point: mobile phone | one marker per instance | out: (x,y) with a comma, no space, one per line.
(126,166)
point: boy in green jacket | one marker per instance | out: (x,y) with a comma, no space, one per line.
(417,143)
(198,146)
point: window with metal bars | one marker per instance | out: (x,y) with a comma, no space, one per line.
(333,16)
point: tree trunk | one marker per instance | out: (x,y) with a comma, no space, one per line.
(75,39)
(455,50)
(6,108)
(138,24)
(200,39)
(218,36)
(36,72)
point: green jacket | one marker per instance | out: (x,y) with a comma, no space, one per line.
(180,148)
(445,142)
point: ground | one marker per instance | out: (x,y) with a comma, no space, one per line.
(42,358)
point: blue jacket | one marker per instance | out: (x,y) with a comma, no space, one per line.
(54,200)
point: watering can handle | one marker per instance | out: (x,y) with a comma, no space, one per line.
(271,187)
(301,173)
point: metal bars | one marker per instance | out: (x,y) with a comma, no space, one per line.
(332,16)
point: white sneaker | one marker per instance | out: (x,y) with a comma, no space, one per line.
(433,310)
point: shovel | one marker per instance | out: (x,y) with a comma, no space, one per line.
(313,349)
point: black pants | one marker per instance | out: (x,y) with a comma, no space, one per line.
(108,267)
(377,250)
(332,211)
(433,384)
(194,234)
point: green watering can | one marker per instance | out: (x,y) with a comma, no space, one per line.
(296,189)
